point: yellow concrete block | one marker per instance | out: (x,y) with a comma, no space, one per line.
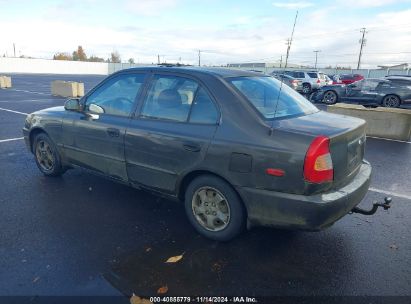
(8,81)
(64,88)
(5,82)
(80,89)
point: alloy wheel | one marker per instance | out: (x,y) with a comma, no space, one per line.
(329,97)
(391,101)
(44,155)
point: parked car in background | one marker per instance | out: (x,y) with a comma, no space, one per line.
(328,80)
(374,92)
(292,82)
(311,80)
(231,145)
(348,78)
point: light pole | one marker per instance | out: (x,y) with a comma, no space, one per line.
(316,57)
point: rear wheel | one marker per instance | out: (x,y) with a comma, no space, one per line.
(391,101)
(214,208)
(330,97)
(46,156)
(306,88)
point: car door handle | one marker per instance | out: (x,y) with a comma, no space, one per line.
(113,132)
(192,147)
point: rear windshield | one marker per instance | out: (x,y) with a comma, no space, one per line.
(271,98)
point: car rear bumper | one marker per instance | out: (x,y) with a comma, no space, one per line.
(314,212)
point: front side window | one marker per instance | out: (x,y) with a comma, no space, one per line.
(272,99)
(117,95)
(179,99)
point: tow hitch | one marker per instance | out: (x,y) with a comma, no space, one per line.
(386,205)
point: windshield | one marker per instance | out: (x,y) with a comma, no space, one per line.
(272,99)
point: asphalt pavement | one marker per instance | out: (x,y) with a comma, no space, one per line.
(83,235)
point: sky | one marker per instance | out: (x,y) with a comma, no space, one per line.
(225,31)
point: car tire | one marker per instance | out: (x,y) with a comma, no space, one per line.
(391,101)
(330,98)
(214,208)
(306,88)
(46,155)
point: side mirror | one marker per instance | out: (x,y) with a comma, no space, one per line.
(95,108)
(72,104)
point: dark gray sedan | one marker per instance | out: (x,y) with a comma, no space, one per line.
(375,92)
(236,147)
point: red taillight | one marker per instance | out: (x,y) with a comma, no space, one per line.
(318,80)
(318,165)
(294,81)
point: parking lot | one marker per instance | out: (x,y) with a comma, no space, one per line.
(84,235)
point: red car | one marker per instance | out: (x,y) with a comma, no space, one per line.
(347,78)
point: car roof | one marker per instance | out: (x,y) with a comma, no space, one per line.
(395,77)
(222,72)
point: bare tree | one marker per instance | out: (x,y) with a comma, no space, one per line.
(115,57)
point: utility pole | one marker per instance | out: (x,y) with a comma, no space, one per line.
(290,41)
(199,57)
(362,41)
(281,61)
(158,58)
(14,49)
(316,55)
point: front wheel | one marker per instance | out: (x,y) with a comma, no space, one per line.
(330,97)
(214,208)
(391,101)
(46,156)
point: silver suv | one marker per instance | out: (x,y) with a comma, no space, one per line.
(311,80)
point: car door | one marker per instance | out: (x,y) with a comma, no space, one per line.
(353,92)
(94,137)
(369,91)
(171,132)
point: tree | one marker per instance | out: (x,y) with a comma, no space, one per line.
(95,59)
(131,60)
(62,56)
(79,55)
(115,57)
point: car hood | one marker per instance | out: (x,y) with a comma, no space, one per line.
(333,87)
(48,111)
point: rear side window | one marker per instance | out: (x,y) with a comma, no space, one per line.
(313,75)
(179,99)
(203,109)
(270,98)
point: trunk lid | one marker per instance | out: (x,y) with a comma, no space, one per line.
(347,140)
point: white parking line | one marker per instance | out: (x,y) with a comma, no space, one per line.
(401,141)
(11,139)
(390,193)
(12,111)
(31,100)
(25,91)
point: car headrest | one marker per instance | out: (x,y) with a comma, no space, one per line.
(169,98)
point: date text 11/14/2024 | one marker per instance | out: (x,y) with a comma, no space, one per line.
(171,299)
